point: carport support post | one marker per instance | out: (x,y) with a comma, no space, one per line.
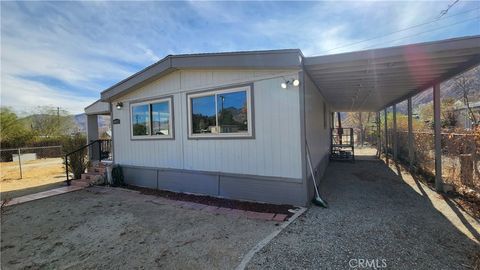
(92,135)
(386,134)
(437,138)
(379,136)
(394,135)
(410,133)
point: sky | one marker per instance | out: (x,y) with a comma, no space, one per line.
(64,54)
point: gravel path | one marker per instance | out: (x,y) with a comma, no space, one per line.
(375,216)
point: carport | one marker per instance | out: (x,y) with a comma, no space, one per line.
(377,79)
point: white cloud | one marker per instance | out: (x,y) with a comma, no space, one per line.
(91,45)
(24,96)
(64,49)
(215,11)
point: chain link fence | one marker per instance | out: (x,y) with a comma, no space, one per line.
(460,157)
(32,163)
(460,153)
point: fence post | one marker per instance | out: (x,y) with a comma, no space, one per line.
(437,138)
(20,163)
(410,133)
(66,170)
(466,170)
(394,135)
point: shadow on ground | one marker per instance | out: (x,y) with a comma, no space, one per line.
(373,215)
(27,191)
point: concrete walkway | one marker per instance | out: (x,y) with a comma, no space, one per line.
(43,194)
(377,215)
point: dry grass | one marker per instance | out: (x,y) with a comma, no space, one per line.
(36,173)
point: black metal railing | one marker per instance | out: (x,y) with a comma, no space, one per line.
(105,149)
(99,150)
(341,144)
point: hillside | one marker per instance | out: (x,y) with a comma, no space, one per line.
(447,89)
(81,122)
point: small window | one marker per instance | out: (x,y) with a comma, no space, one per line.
(222,113)
(152,119)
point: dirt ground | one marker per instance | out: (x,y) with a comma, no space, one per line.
(38,175)
(220,202)
(108,228)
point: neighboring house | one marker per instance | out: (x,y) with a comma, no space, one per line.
(463,115)
(235,125)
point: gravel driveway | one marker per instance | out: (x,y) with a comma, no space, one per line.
(101,228)
(376,216)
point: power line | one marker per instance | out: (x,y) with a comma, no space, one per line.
(401,30)
(445,11)
(424,32)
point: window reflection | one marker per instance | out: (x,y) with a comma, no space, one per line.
(203,115)
(160,118)
(152,119)
(232,112)
(140,120)
(220,112)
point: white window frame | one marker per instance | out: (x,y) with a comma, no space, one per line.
(149,103)
(248,134)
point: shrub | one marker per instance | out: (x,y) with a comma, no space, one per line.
(117,176)
(77,162)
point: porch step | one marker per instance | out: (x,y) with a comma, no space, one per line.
(80,183)
(98,170)
(101,164)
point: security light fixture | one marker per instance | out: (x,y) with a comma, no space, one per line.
(119,105)
(293,82)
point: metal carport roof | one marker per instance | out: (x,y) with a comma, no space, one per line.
(371,80)
(367,80)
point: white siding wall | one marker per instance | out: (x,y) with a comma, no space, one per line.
(275,150)
(318,137)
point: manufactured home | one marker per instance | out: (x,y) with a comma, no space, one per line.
(237,125)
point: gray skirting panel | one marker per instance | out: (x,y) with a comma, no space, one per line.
(232,186)
(320,168)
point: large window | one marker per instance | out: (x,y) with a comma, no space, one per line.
(152,119)
(221,113)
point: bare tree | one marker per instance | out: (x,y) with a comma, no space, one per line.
(468,83)
(50,121)
(360,120)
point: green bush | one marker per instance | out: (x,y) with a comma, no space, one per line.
(13,133)
(77,162)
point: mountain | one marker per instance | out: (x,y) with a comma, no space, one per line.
(448,89)
(81,122)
